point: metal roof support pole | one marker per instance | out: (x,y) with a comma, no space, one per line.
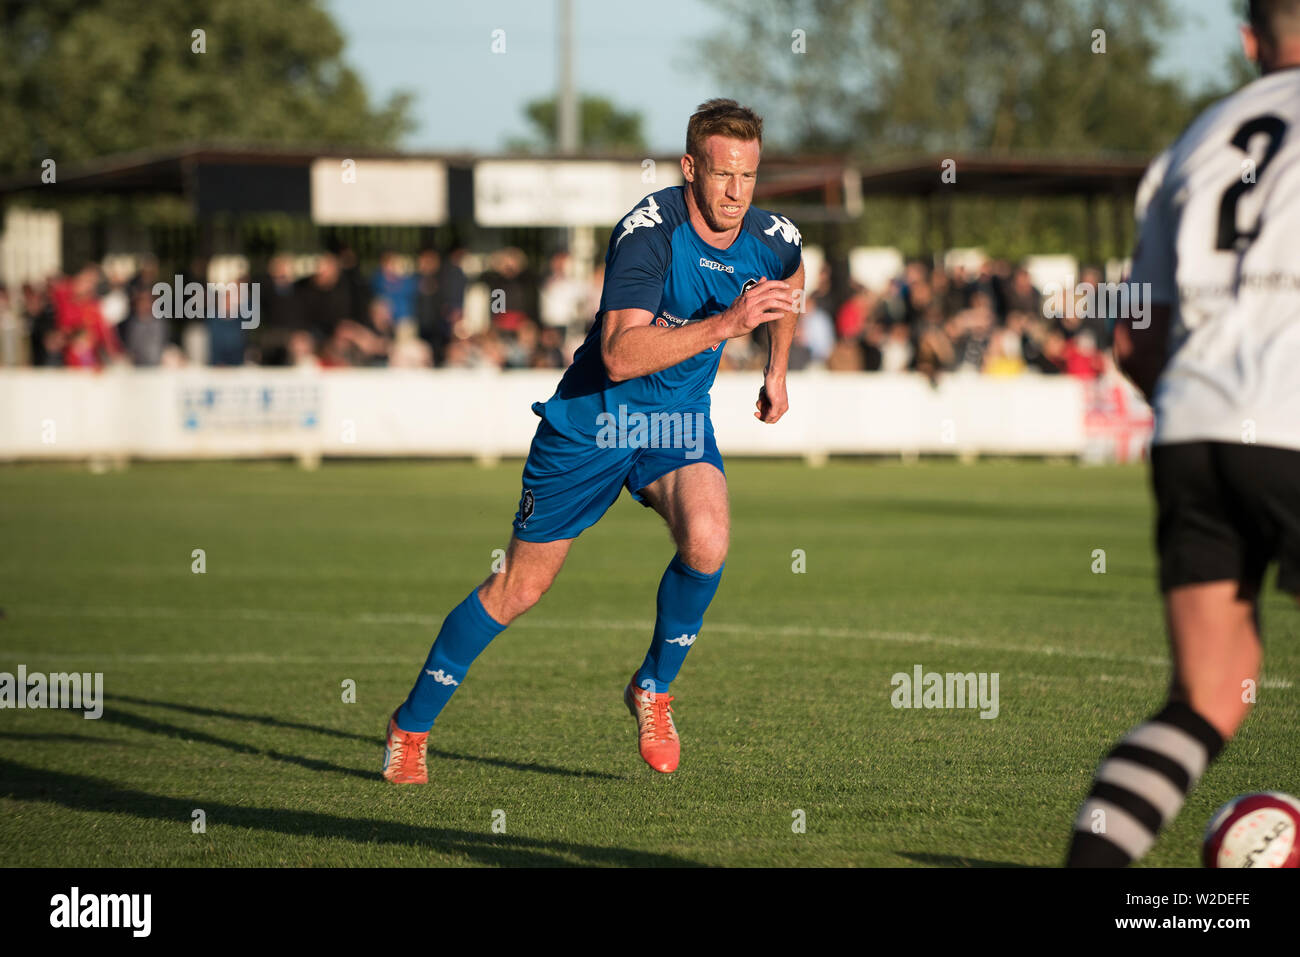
(1090,227)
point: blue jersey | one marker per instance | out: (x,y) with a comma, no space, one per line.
(657,262)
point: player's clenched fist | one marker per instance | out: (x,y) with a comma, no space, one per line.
(768,299)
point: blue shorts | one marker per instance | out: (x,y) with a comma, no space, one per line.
(571,479)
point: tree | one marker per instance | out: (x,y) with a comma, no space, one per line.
(883,79)
(86,78)
(604,126)
(933,76)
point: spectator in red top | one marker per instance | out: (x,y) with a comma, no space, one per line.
(1082,357)
(87,337)
(853,315)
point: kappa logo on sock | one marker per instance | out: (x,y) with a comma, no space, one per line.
(441,677)
(684,640)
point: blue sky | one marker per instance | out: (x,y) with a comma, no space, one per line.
(468,98)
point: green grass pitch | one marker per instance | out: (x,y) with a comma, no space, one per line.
(224,690)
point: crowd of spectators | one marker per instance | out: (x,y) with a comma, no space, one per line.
(411,311)
(994,322)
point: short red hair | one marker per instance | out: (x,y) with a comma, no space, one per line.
(721,117)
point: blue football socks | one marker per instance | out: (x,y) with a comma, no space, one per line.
(464,634)
(684,596)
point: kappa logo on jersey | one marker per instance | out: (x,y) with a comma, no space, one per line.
(786,229)
(441,677)
(647,215)
(710,264)
(684,640)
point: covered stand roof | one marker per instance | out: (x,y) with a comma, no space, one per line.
(222,179)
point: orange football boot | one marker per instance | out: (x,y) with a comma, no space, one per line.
(406,755)
(659,744)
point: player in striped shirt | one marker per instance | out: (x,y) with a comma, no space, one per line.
(1219,215)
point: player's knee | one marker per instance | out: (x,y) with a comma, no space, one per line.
(506,597)
(705,545)
(523,594)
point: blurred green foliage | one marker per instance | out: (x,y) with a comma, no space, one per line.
(603,127)
(88,78)
(885,79)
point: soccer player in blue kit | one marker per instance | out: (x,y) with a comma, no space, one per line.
(689,268)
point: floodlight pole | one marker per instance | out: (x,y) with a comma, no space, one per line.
(580,240)
(566,106)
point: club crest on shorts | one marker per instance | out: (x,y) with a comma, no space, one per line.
(526,504)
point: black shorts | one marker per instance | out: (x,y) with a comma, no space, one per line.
(1225,511)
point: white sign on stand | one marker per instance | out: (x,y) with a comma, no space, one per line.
(565,192)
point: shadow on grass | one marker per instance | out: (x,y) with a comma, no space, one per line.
(75,792)
(376,741)
(33,736)
(951,860)
(148,725)
(269,720)
(521,766)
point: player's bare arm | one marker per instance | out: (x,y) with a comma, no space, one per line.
(1141,354)
(632,345)
(773,402)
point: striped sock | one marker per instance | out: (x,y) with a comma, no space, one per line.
(1140,787)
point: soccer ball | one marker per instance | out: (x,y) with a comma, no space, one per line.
(1254,830)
